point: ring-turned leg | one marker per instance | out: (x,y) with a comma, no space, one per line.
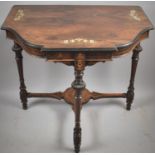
(78,85)
(19,59)
(130,92)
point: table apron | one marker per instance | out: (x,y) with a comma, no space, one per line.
(70,56)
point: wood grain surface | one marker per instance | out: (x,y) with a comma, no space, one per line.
(75,27)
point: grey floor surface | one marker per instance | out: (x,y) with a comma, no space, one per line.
(47,126)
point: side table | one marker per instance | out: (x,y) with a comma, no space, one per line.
(77,36)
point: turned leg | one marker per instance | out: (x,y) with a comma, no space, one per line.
(130,92)
(78,85)
(19,59)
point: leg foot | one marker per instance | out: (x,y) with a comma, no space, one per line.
(23,97)
(128,106)
(25,106)
(77,139)
(130,98)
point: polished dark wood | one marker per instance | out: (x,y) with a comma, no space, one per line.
(19,59)
(78,85)
(56,95)
(130,92)
(61,30)
(58,23)
(77,36)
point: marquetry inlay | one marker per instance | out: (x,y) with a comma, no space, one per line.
(79,40)
(134,15)
(19,15)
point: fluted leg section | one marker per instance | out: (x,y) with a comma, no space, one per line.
(78,85)
(130,92)
(19,60)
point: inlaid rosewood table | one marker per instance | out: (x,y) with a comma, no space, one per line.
(77,36)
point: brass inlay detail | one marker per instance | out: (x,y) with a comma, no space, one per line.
(79,40)
(134,15)
(19,15)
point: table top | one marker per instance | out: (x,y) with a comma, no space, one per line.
(77,27)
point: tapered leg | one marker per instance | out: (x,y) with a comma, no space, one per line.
(130,92)
(78,85)
(19,59)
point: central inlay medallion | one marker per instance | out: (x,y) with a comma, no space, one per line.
(79,40)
